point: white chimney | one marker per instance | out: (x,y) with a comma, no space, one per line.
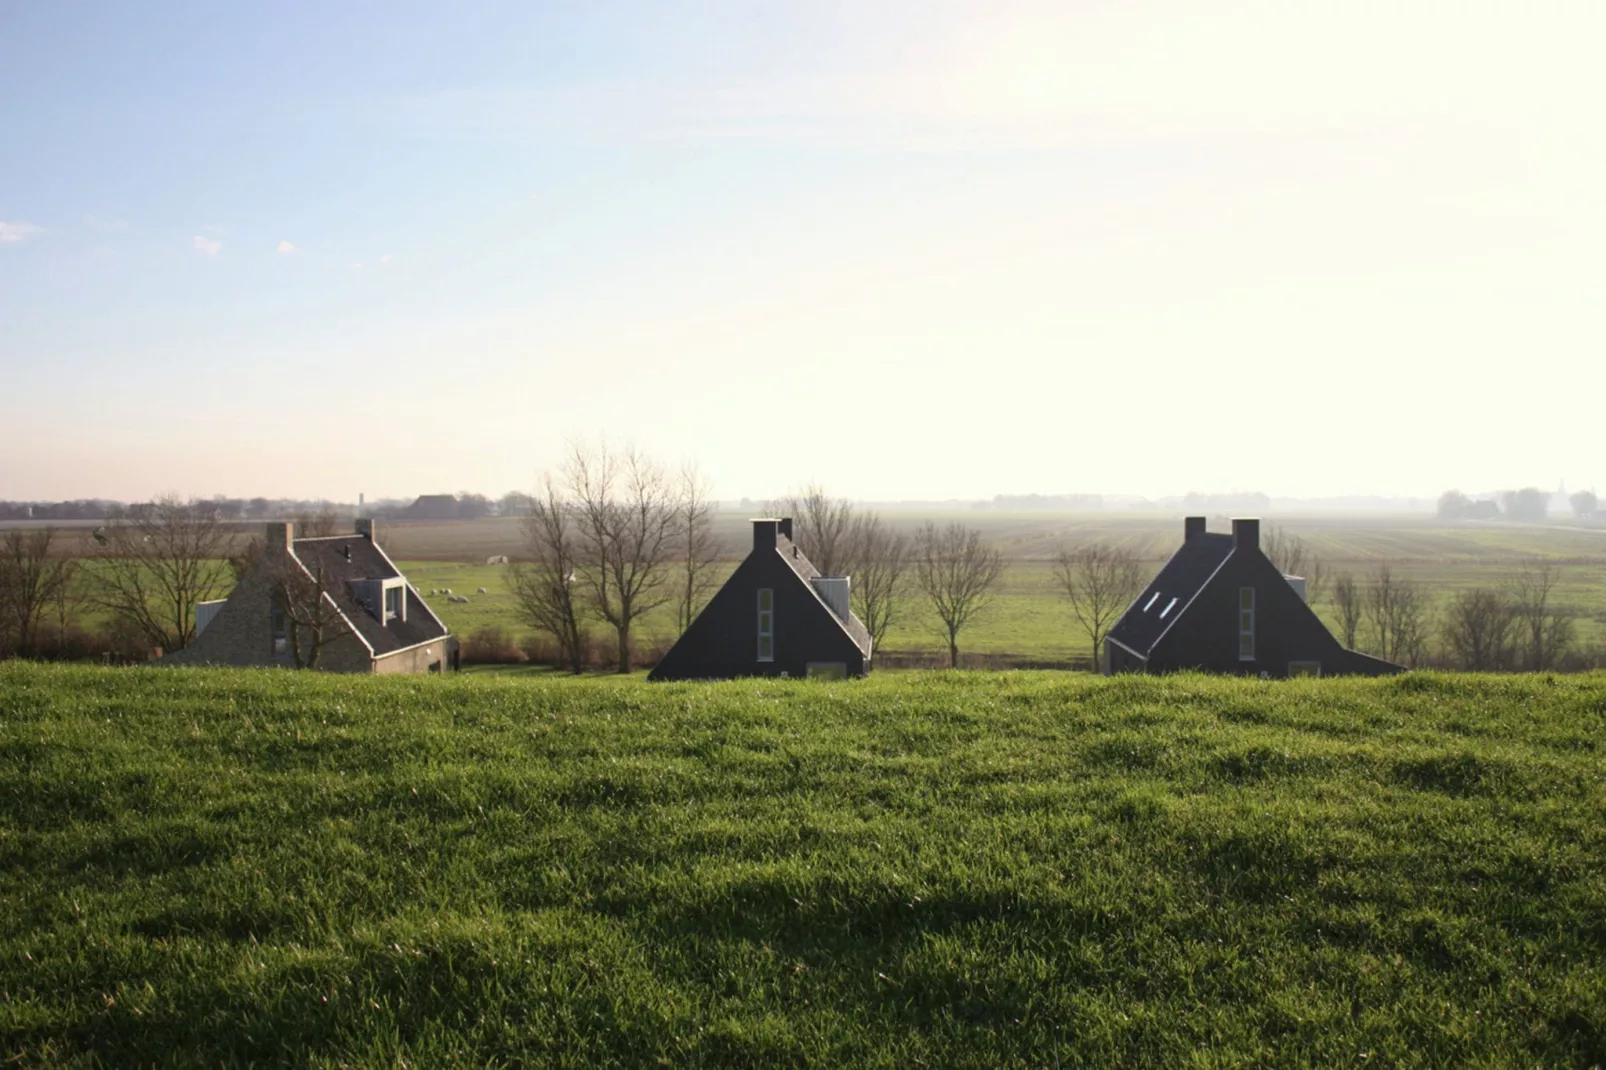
(835,591)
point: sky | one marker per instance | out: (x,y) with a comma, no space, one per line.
(905,250)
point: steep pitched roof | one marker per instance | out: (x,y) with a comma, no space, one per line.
(806,571)
(346,559)
(1167,596)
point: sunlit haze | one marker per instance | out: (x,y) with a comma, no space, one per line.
(906,250)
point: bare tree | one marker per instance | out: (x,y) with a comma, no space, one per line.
(545,582)
(160,559)
(1294,557)
(1546,631)
(880,559)
(697,546)
(1100,581)
(1477,629)
(1351,603)
(956,570)
(69,600)
(1398,611)
(823,526)
(29,580)
(312,619)
(319,525)
(626,520)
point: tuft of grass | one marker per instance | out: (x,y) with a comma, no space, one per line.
(943,869)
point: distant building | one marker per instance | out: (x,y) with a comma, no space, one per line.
(775,616)
(1220,605)
(378,622)
(432,507)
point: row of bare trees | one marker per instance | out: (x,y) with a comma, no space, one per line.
(611,537)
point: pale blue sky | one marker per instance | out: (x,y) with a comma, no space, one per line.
(910,250)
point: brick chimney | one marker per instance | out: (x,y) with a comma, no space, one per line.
(1246,533)
(279,535)
(1191,526)
(365,528)
(764,534)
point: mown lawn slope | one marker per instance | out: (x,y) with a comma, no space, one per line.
(937,870)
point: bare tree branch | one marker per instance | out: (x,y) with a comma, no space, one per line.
(30,579)
(545,582)
(697,547)
(1546,630)
(823,527)
(879,558)
(956,570)
(160,559)
(626,520)
(1100,581)
(312,620)
(1351,603)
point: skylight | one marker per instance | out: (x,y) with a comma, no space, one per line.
(1169,606)
(1150,603)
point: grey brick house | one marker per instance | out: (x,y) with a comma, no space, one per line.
(376,621)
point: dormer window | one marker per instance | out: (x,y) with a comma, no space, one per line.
(386,598)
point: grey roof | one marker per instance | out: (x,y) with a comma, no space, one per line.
(345,559)
(1168,594)
(807,572)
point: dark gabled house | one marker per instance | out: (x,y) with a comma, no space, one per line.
(775,616)
(1220,605)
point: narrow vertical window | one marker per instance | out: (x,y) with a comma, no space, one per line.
(1246,624)
(277,626)
(766,624)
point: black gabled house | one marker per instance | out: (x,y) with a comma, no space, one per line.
(775,616)
(1220,605)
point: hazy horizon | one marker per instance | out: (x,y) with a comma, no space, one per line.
(910,251)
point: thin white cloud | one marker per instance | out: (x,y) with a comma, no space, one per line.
(11,233)
(385,259)
(95,222)
(355,266)
(287,249)
(207,247)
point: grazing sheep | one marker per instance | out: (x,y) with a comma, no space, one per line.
(480,591)
(447,591)
(498,559)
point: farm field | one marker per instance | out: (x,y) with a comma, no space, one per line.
(943,869)
(1031,620)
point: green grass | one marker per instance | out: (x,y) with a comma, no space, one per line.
(936,869)
(1029,617)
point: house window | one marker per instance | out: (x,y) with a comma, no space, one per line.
(1246,624)
(1150,603)
(393,603)
(279,628)
(766,624)
(1169,606)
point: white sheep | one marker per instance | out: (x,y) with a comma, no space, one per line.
(480,591)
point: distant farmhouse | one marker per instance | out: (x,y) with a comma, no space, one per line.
(775,616)
(432,507)
(367,617)
(1220,605)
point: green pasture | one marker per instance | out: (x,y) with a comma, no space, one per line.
(1029,617)
(922,869)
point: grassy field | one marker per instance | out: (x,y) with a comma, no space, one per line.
(1031,619)
(943,870)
